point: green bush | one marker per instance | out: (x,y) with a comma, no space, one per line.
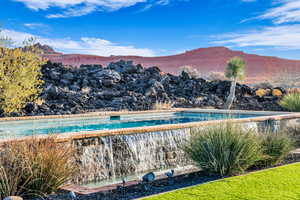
(275,147)
(20,82)
(224,149)
(291,102)
(35,167)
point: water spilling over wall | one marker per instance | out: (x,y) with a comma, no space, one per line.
(117,156)
(109,157)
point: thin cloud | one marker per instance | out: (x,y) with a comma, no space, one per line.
(284,34)
(75,8)
(35,25)
(283,11)
(286,11)
(247,1)
(284,37)
(86,45)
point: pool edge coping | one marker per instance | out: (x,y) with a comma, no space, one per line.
(111,113)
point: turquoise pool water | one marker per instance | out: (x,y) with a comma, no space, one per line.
(83,124)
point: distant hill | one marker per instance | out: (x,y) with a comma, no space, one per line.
(206,60)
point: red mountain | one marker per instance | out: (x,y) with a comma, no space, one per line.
(206,60)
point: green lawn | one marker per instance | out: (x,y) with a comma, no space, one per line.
(274,184)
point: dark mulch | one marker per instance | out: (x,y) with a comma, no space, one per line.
(156,187)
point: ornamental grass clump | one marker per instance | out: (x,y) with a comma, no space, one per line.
(224,149)
(35,167)
(291,102)
(275,147)
(159,105)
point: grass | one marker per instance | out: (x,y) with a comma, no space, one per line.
(163,105)
(272,184)
(291,102)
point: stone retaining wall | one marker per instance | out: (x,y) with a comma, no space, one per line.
(103,158)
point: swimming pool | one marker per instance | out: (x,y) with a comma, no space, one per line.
(21,128)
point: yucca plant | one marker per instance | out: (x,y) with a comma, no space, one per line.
(235,71)
(224,149)
(275,147)
(291,102)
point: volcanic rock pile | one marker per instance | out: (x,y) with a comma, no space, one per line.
(123,85)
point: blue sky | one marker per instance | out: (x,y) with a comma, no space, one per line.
(156,27)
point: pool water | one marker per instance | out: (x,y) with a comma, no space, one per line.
(97,123)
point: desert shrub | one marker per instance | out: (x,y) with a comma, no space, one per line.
(275,147)
(40,101)
(224,149)
(293,90)
(86,90)
(20,82)
(193,72)
(261,92)
(35,167)
(294,133)
(214,76)
(286,78)
(263,85)
(277,93)
(159,105)
(291,102)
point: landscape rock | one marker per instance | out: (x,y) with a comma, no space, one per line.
(123,85)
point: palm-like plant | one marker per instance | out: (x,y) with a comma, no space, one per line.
(235,71)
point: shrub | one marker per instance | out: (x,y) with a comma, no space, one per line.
(194,73)
(293,90)
(263,85)
(86,90)
(163,105)
(214,76)
(294,133)
(224,149)
(20,82)
(277,93)
(261,92)
(35,167)
(275,147)
(291,102)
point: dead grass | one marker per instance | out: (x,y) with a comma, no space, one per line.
(163,105)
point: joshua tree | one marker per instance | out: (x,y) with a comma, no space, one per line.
(235,71)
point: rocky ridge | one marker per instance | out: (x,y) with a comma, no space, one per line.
(205,60)
(123,85)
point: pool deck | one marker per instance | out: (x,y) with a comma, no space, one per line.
(67,137)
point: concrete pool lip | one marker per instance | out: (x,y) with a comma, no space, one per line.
(113,113)
(66,137)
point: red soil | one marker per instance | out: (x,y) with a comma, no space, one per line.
(206,60)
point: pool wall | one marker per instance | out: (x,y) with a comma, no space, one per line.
(103,155)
